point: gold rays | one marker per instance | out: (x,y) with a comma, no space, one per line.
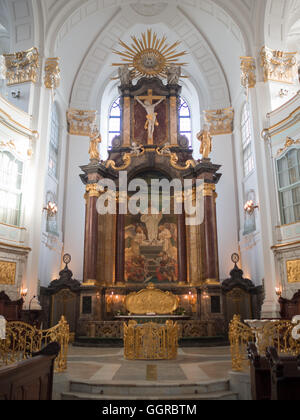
(149,55)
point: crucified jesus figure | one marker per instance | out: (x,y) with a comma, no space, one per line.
(151,122)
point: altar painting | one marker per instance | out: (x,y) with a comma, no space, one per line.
(151,249)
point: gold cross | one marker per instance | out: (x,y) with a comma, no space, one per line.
(150,97)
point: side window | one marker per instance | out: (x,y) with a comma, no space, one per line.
(246,131)
(114,124)
(288,169)
(11,173)
(185,122)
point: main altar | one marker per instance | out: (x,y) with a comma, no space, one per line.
(125,252)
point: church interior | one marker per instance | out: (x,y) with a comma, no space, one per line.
(149,200)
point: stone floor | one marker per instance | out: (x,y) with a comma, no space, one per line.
(108,364)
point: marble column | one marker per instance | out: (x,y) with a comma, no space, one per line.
(126,120)
(91,234)
(211,237)
(120,247)
(182,249)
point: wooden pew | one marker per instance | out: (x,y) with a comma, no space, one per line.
(261,371)
(285,376)
(260,375)
(30,379)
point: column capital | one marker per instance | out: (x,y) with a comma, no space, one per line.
(92,190)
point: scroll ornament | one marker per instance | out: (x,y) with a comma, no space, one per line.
(136,151)
(166,151)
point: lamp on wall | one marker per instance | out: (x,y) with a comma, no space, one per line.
(250,207)
(278,291)
(51,208)
(24,292)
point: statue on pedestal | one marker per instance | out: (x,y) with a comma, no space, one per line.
(173,75)
(125,75)
(95,139)
(206,143)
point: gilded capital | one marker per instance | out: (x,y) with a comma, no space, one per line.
(21,67)
(208,190)
(219,121)
(81,123)
(248,76)
(92,190)
(279,66)
(52,73)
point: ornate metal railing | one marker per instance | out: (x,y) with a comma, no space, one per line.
(22,340)
(273,333)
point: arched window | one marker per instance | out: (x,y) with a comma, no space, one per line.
(288,168)
(246,130)
(54,143)
(11,172)
(114,128)
(185,122)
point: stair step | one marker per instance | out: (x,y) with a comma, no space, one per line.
(209,396)
(145,389)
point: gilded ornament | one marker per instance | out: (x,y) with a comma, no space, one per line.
(149,56)
(52,73)
(220,121)
(81,123)
(248,76)
(7,272)
(150,341)
(151,301)
(166,151)
(293,271)
(279,66)
(136,151)
(21,67)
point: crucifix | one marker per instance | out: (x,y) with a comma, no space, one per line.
(149,106)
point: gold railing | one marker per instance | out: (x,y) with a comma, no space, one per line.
(150,341)
(22,340)
(275,333)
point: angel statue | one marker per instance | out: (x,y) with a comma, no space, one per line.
(125,75)
(206,143)
(95,139)
(151,122)
(173,74)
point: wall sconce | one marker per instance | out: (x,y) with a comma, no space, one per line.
(250,207)
(278,291)
(16,95)
(205,296)
(191,298)
(24,293)
(51,209)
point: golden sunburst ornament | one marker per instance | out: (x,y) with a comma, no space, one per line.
(150,55)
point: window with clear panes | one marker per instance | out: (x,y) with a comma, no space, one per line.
(11,173)
(246,131)
(288,168)
(185,122)
(114,124)
(54,143)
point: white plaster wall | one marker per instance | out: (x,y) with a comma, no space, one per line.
(75,204)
